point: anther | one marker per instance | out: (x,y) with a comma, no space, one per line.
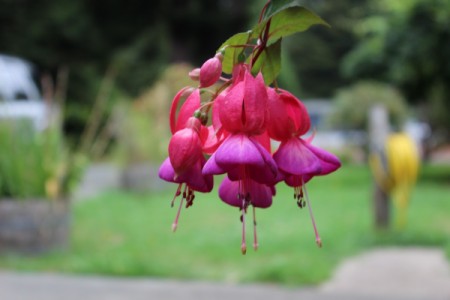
(177,193)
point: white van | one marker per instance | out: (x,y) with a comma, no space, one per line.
(20,97)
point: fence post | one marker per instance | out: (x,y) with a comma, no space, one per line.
(378,133)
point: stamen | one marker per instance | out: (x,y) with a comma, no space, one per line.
(298,195)
(177,193)
(190,198)
(255,238)
(243,245)
(241,195)
(318,240)
(175,222)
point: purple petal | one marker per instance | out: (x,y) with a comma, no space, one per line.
(211,167)
(166,171)
(329,162)
(238,149)
(260,194)
(194,178)
(293,157)
(229,191)
(268,174)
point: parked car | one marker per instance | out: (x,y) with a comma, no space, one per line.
(20,97)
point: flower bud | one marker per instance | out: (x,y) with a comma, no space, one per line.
(210,71)
(185,147)
(195,74)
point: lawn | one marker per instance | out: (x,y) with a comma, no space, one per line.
(125,234)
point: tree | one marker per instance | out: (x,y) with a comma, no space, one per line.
(314,57)
(407,44)
(132,41)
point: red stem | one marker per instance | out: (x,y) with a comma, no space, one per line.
(263,38)
(263,11)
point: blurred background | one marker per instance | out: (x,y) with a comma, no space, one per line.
(85,89)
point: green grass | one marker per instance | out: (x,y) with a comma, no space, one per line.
(127,234)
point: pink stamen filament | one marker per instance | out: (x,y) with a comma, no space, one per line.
(177,193)
(243,245)
(255,238)
(318,240)
(243,195)
(175,222)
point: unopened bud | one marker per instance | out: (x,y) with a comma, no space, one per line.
(195,74)
(210,71)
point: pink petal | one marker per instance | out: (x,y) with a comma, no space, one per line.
(174,106)
(264,140)
(230,113)
(216,123)
(188,108)
(279,126)
(297,112)
(211,140)
(184,149)
(255,112)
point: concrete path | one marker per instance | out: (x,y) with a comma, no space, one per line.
(393,273)
(412,273)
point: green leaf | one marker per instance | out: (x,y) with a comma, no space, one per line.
(288,21)
(269,62)
(276,6)
(231,54)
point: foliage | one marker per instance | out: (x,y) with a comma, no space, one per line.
(280,19)
(353,104)
(125,234)
(406,43)
(314,57)
(138,40)
(34,164)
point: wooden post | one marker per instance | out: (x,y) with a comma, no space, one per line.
(378,133)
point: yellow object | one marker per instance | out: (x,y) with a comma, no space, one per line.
(396,171)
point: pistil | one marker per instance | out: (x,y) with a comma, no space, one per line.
(318,240)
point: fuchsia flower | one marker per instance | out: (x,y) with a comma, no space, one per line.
(251,171)
(245,116)
(297,159)
(185,162)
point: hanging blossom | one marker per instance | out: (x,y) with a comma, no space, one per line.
(228,125)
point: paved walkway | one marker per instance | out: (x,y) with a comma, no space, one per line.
(392,273)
